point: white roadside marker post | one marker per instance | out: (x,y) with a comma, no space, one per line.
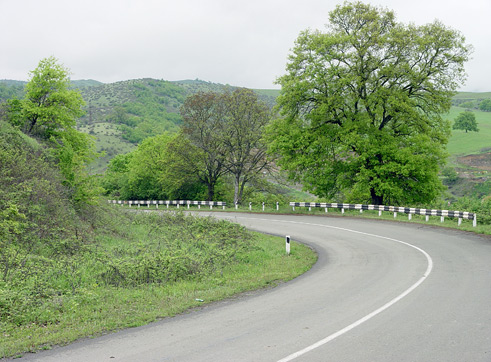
(287,245)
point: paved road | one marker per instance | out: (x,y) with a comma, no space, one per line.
(380,291)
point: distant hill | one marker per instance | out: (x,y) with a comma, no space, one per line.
(120,115)
(11,89)
(84,83)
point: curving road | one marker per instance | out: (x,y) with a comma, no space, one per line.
(380,291)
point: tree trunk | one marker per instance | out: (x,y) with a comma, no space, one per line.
(376,199)
(241,190)
(211,191)
(236,189)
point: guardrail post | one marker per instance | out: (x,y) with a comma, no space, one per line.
(288,245)
(460,221)
(442,218)
(409,216)
(474,222)
(263,206)
(250,206)
(277,206)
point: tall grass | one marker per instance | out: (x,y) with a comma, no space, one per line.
(139,268)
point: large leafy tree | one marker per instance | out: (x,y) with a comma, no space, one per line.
(466,121)
(362,105)
(50,106)
(157,169)
(203,115)
(225,134)
(49,112)
(243,138)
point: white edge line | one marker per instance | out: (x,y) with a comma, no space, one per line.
(368,316)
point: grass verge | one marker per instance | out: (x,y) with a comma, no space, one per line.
(102,303)
(466,225)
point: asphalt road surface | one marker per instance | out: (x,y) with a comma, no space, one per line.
(380,291)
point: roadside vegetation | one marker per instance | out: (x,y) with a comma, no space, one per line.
(348,126)
(134,268)
(71,267)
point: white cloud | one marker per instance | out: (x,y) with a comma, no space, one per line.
(240,43)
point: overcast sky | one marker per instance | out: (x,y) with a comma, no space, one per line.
(241,43)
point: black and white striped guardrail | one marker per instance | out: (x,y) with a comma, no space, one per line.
(395,209)
(380,208)
(177,203)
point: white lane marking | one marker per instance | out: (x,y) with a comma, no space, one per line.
(368,316)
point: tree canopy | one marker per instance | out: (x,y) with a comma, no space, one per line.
(50,105)
(157,169)
(362,104)
(485,105)
(243,138)
(226,129)
(466,121)
(203,115)
(49,112)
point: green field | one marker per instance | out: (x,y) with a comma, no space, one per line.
(462,143)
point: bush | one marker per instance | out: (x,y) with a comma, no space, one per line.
(129,250)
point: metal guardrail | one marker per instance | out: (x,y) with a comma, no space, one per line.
(380,208)
(395,209)
(177,203)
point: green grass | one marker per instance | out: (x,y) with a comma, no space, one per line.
(94,307)
(462,143)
